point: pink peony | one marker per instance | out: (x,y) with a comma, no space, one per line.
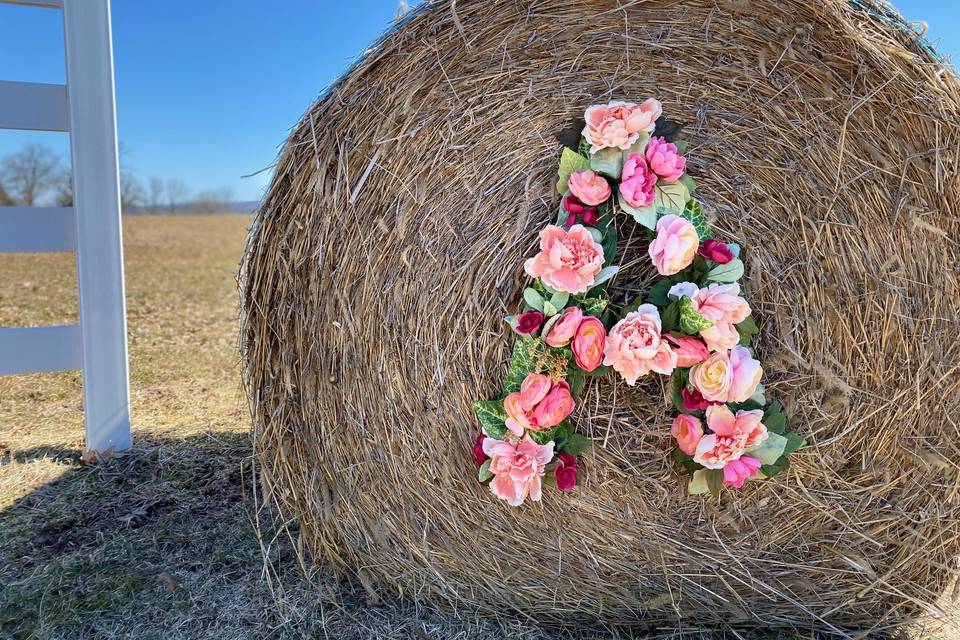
(568,261)
(737,471)
(588,343)
(712,377)
(665,160)
(634,346)
(637,181)
(565,473)
(478,453)
(715,452)
(722,305)
(716,251)
(746,374)
(589,188)
(745,427)
(560,332)
(517,468)
(529,322)
(554,408)
(675,245)
(689,350)
(618,124)
(687,431)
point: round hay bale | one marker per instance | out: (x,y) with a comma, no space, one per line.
(825,141)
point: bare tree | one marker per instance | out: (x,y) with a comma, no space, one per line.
(63,188)
(214,200)
(131,191)
(177,192)
(30,173)
(5,199)
(155,194)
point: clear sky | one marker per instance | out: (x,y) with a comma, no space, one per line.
(208,89)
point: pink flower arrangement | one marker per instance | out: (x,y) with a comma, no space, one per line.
(517,468)
(635,347)
(675,245)
(637,181)
(569,261)
(588,187)
(664,159)
(618,124)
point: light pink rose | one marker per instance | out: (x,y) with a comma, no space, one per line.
(517,468)
(689,350)
(745,427)
(675,245)
(637,181)
(561,332)
(722,305)
(589,188)
(736,472)
(568,261)
(588,343)
(554,408)
(687,431)
(634,346)
(664,159)
(618,124)
(712,377)
(540,404)
(746,375)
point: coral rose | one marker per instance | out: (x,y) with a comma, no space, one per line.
(687,431)
(529,322)
(723,306)
(637,182)
(568,261)
(746,375)
(736,472)
(517,468)
(588,343)
(712,377)
(519,405)
(689,350)
(664,159)
(589,188)
(565,473)
(634,346)
(561,331)
(618,124)
(675,245)
(554,408)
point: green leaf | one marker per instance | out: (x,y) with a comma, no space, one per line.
(559,299)
(646,216)
(768,451)
(794,442)
(775,422)
(670,317)
(609,245)
(726,273)
(698,484)
(747,330)
(770,470)
(658,292)
(608,161)
(575,378)
(533,298)
(605,274)
(685,461)
(693,212)
(682,148)
(561,434)
(576,444)
(671,197)
(584,149)
(492,417)
(570,161)
(678,382)
(526,351)
(592,306)
(691,321)
(484,473)
(715,481)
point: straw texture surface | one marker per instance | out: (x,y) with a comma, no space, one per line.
(390,246)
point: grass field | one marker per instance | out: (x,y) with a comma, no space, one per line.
(161,541)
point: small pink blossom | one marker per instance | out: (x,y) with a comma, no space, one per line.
(517,468)
(722,305)
(715,451)
(588,187)
(675,245)
(568,261)
(716,251)
(665,160)
(689,350)
(561,331)
(736,472)
(637,181)
(618,124)
(744,426)
(554,408)
(529,322)
(687,431)
(746,373)
(634,346)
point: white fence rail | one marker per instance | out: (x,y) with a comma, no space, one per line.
(84,107)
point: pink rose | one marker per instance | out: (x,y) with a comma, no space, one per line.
(618,124)
(736,472)
(529,322)
(554,408)
(712,377)
(746,375)
(689,350)
(588,343)
(590,188)
(517,468)
(715,452)
(573,207)
(561,331)
(745,427)
(665,160)
(686,430)
(478,453)
(722,305)
(568,261)
(716,251)
(637,182)
(634,346)
(675,245)
(565,473)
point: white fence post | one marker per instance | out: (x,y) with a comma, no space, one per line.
(96,203)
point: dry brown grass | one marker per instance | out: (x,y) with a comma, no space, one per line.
(391,244)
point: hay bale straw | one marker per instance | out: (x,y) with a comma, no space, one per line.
(390,246)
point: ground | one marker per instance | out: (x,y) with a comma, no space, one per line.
(168,540)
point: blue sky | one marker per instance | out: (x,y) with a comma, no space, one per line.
(208,89)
